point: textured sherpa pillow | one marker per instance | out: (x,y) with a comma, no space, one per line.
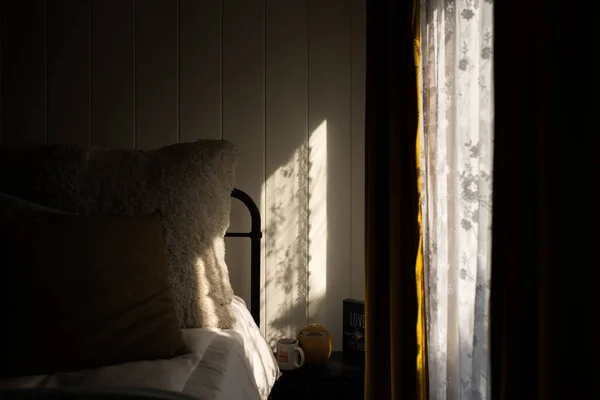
(188,183)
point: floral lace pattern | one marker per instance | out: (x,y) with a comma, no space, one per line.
(456,168)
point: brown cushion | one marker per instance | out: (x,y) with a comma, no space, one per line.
(83,292)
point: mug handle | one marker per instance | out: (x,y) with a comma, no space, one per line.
(301,354)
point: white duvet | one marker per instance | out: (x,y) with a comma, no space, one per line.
(232,364)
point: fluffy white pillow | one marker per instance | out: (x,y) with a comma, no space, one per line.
(188,183)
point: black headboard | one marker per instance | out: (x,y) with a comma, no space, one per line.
(255,236)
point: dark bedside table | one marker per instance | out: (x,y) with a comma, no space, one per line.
(337,379)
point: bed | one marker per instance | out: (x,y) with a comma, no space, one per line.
(225,364)
(220,361)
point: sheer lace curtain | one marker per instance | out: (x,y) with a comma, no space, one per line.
(456,160)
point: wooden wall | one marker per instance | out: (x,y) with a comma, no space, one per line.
(282,79)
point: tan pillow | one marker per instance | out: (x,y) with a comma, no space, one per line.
(83,292)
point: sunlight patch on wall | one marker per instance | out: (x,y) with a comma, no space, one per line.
(285,198)
(318,213)
(295,238)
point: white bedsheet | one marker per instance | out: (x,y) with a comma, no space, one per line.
(233,364)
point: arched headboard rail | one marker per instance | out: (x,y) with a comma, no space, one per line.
(255,236)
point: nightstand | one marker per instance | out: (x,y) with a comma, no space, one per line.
(337,379)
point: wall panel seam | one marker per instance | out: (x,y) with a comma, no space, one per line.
(90,69)
(221,71)
(178,76)
(45,71)
(351,134)
(2,11)
(264,158)
(135,91)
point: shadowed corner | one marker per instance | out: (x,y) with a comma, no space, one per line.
(295,244)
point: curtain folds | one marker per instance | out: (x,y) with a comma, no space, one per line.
(525,257)
(422,365)
(456,159)
(544,240)
(392,228)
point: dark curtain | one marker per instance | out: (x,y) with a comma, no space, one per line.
(544,295)
(392,230)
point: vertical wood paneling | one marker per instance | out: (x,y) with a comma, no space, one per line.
(156,73)
(283,80)
(243,117)
(199,69)
(286,167)
(330,101)
(68,58)
(359,31)
(112,73)
(23,72)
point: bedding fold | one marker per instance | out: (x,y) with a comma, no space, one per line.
(230,364)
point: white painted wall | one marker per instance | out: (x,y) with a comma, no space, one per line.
(282,79)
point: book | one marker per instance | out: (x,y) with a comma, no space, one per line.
(353,329)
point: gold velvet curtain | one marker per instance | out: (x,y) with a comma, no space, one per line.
(392,204)
(544,231)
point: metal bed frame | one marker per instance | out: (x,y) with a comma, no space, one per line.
(255,236)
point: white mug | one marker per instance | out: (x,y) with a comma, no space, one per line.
(289,354)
